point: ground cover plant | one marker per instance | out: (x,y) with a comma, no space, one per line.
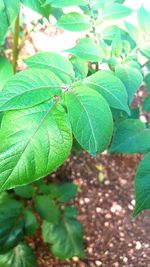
(56,102)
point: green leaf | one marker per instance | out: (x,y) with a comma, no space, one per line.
(54,62)
(49,189)
(131,136)
(65,238)
(20,256)
(37,5)
(142,186)
(11,224)
(47,209)
(9,9)
(80,67)
(67,192)
(66,3)
(6,71)
(31,223)
(30,145)
(73,21)
(117,45)
(133,31)
(29,88)
(70,212)
(131,78)
(146,104)
(145,49)
(90,117)
(26,191)
(144,19)
(110,87)
(86,49)
(115,11)
(147,81)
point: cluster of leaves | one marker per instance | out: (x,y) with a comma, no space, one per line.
(60,227)
(87,97)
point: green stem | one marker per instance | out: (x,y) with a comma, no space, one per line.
(15,44)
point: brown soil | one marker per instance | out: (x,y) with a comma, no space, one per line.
(112,236)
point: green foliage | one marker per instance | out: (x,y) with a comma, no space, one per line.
(73,22)
(142,186)
(90,118)
(65,237)
(6,72)
(131,136)
(21,256)
(57,101)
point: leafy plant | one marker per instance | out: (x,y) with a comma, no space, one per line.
(87,98)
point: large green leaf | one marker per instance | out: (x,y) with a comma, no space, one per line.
(29,88)
(142,185)
(47,209)
(38,142)
(54,62)
(133,31)
(131,78)
(66,3)
(86,49)
(110,87)
(9,9)
(115,11)
(131,136)
(38,6)
(11,223)
(73,21)
(143,16)
(20,256)
(65,237)
(6,71)
(90,118)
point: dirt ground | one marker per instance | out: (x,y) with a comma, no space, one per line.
(112,237)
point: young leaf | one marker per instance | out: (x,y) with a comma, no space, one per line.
(86,49)
(65,238)
(37,5)
(47,209)
(110,87)
(6,71)
(142,186)
(131,136)
(117,45)
(29,88)
(144,19)
(54,62)
(90,117)
(31,223)
(80,67)
(146,104)
(74,22)
(26,191)
(115,11)
(66,3)
(131,78)
(67,192)
(10,212)
(20,256)
(30,145)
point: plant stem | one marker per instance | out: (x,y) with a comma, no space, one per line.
(15,44)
